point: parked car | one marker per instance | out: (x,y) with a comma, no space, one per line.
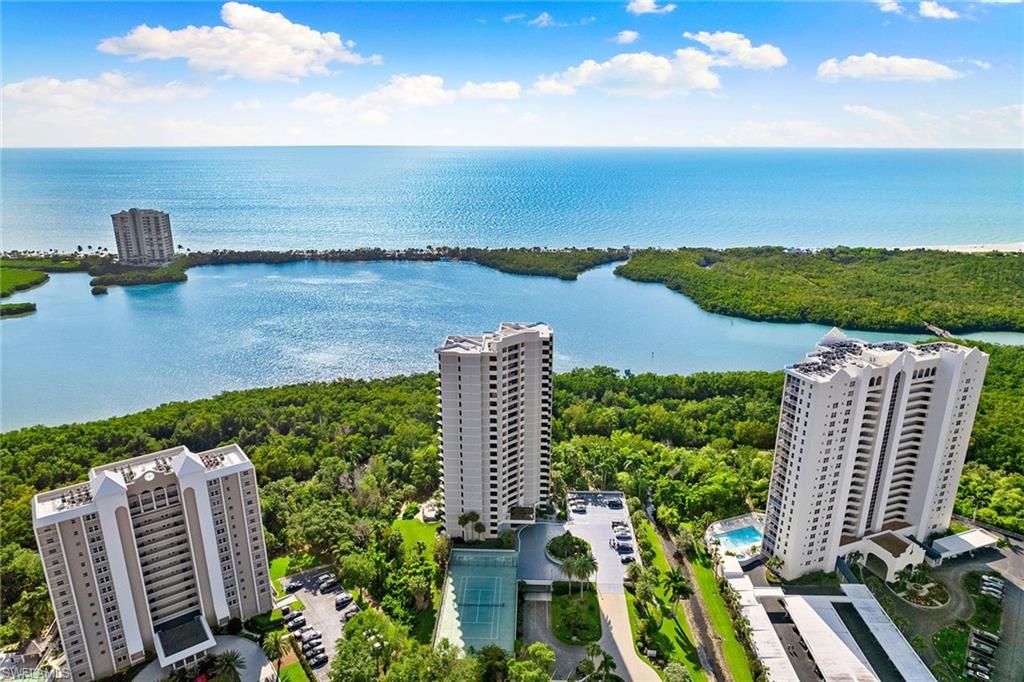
(627,558)
(983,648)
(289,617)
(623,535)
(296,623)
(315,651)
(328,585)
(986,637)
(285,610)
(342,600)
(615,503)
(978,674)
(623,548)
(293,586)
(319,661)
(992,592)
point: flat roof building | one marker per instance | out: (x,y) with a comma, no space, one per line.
(149,554)
(495,423)
(870,446)
(143,236)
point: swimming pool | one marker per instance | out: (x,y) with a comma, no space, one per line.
(739,540)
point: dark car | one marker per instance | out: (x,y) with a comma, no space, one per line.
(615,503)
(342,600)
(314,652)
(292,616)
(319,661)
(328,585)
(296,623)
(627,558)
(624,547)
(293,587)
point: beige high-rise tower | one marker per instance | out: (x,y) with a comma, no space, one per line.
(871,442)
(151,552)
(495,394)
(143,236)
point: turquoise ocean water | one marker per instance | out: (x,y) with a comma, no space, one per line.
(83,357)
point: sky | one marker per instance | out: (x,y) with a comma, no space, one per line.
(873,73)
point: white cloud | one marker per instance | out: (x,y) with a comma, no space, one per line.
(648,7)
(876,115)
(933,10)
(253,104)
(495,90)
(636,73)
(735,49)
(651,75)
(889,6)
(626,37)
(111,87)
(545,20)
(399,93)
(1005,122)
(895,68)
(508,18)
(983,65)
(252,43)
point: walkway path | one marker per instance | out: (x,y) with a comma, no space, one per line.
(617,638)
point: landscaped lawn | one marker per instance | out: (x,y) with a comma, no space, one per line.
(988,611)
(12,279)
(286,565)
(413,531)
(673,635)
(589,613)
(707,583)
(951,643)
(293,673)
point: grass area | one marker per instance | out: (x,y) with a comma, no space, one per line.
(286,565)
(576,618)
(988,611)
(13,280)
(272,620)
(293,673)
(668,629)
(61,263)
(413,531)
(951,644)
(858,288)
(16,309)
(721,620)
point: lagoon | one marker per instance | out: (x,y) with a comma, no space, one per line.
(82,357)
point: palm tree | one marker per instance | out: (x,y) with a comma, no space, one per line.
(606,666)
(479,528)
(677,584)
(570,567)
(586,566)
(274,648)
(228,666)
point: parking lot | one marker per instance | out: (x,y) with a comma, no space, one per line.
(594,525)
(319,611)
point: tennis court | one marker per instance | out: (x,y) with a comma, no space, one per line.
(478,606)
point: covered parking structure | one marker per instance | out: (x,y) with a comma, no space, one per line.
(961,543)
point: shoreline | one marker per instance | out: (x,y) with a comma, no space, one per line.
(1009,247)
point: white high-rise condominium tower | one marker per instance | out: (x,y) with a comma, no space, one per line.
(143,236)
(495,393)
(870,446)
(149,553)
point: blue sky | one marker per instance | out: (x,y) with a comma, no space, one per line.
(876,73)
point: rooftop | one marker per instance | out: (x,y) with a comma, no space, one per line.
(891,543)
(488,342)
(968,541)
(118,475)
(837,351)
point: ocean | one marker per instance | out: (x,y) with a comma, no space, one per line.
(345,197)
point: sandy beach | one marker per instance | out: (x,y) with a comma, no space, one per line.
(1012,247)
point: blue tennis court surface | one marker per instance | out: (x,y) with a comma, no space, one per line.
(478,605)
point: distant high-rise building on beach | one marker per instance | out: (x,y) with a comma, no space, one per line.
(495,394)
(143,236)
(149,554)
(870,446)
